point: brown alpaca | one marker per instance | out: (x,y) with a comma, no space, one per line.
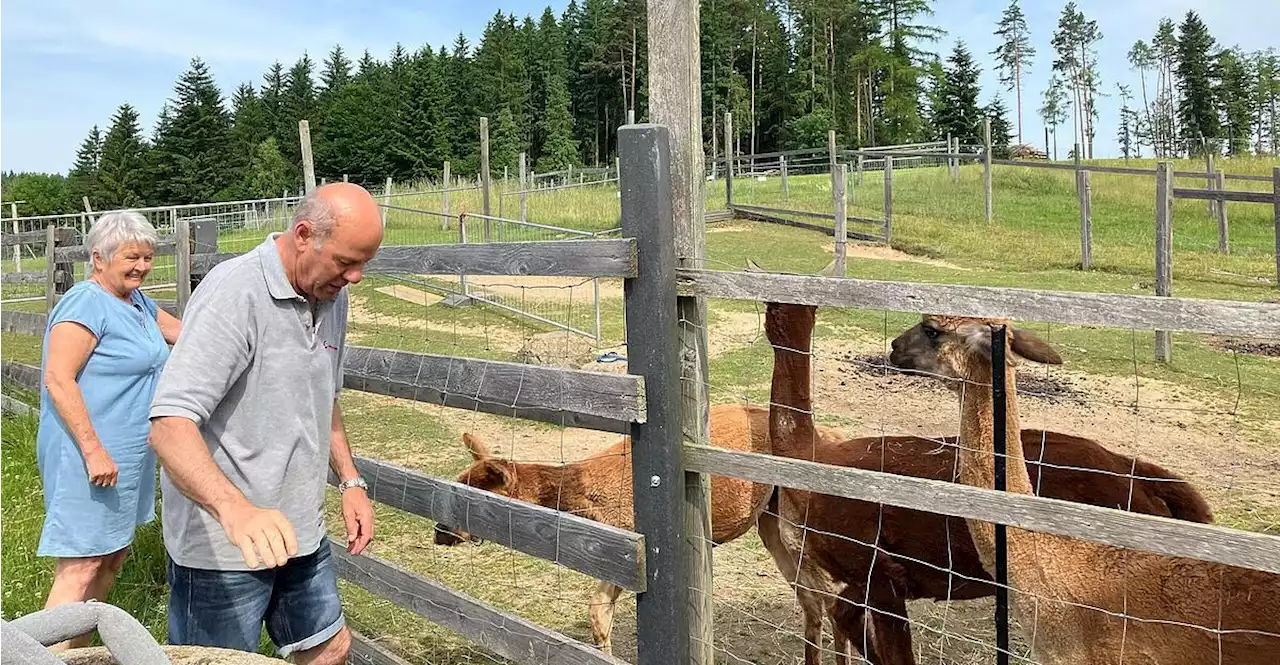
(921,555)
(1080,601)
(599,488)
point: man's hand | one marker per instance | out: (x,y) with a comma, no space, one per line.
(357,511)
(261,532)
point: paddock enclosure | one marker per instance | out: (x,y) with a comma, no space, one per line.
(555,317)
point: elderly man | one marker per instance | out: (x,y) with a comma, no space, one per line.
(245,420)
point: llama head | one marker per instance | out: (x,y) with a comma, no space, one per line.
(486,472)
(956,348)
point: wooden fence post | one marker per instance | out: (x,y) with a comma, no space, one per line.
(308,166)
(50,267)
(888,200)
(1164,250)
(484,173)
(786,188)
(17,249)
(1275,195)
(728,159)
(831,150)
(1084,190)
(838,182)
(1224,232)
(182,262)
(951,162)
(986,163)
(386,200)
(675,101)
(955,163)
(524,201)
(861,159)
(1209,180)
(662,630)
(444,203)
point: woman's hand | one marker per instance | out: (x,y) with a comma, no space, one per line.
(102,469)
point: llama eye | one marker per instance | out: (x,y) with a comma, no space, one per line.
(931,333)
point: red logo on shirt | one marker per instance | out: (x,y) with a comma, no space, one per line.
(330,346)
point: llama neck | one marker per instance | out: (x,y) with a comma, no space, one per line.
(791,429)
(548,485)
(977,450)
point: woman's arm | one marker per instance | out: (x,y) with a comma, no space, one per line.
(170,325)
(70,345)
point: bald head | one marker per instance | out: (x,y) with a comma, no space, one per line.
(336,229)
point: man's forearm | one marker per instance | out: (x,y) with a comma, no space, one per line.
(340,458)
(184,455)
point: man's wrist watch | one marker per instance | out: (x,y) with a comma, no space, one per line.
(354,482)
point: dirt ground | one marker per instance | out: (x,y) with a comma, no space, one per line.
(757,618)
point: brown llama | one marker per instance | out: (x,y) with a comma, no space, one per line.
(599,488)
(916,555)
(1080,601)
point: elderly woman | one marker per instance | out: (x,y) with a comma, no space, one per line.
(104,347)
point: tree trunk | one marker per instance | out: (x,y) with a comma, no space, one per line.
(1017,82)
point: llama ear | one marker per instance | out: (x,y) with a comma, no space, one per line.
(1031,347)
(496,472)
(476,446)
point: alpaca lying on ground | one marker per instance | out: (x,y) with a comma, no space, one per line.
(599,488)
(1082,602)
(920,554)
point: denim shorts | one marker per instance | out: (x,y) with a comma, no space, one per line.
(299,603)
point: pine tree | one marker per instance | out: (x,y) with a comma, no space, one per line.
(268,175)
(336,72)
(1001,133)
(194,154)
(1234,91)
(1142,58)
(1053,111)
(1165,48)
(1126,134)
(82,180)
(297,102)
(1073,42)
(122,166)
(960,114)
(504,147)
(559,149)
(1197,110)
(1015,52)
(250,126)
(1266,95)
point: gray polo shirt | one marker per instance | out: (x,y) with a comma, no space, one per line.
(258,374)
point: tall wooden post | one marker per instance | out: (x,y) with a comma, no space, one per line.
(386,200)
(986,163)
(444,198)
(1224,233)
(955,163)
(1209,180)
(951,162)
(182,263)
(1084,192)
(308,166)
(888,200)
(675,101)
(524,200)
(1164,250)
(484,173)
(838,182)
(728,159)
(786,188)
(51,267)
(631,116)
(1275,195)
(861,160)
(831,149)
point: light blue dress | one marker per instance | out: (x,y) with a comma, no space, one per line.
(117,382)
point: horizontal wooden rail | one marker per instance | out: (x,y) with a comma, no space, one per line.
(16,407)
(718,216)
(165,246)
(25,323)
(1216,195)
(775,219)
(1223,317)
(36,237)
(786,211)
(1122,170)
(366,651)
(896,154)
(506,634)
(1160,535)
(23,375)
(576,398)
(24,277)
(203,263)
(614,257)
(602,551)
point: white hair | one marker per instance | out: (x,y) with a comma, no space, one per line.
(319,212)
(118,228)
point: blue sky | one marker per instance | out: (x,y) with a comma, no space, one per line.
(67,64)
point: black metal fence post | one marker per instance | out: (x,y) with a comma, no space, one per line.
(999,444)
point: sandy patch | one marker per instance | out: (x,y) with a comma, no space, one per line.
(410,294)
(855,250)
